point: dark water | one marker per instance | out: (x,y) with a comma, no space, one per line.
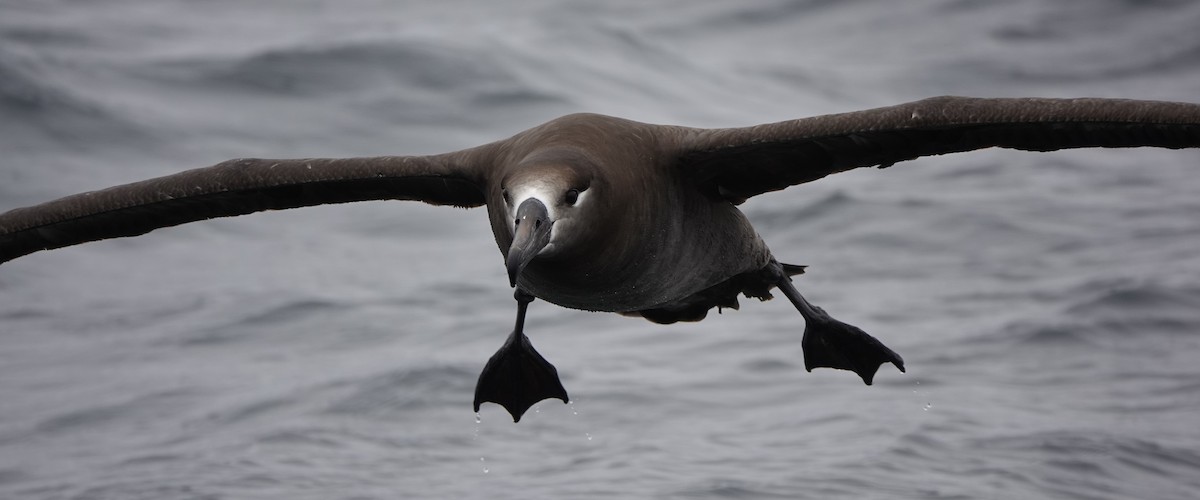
(1048,305)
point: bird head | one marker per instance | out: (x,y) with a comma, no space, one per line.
(547,205)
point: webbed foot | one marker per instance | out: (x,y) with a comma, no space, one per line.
(829,343)
(517,376)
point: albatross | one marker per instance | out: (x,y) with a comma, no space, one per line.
(601,213)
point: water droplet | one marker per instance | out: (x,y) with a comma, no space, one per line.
(477,419)
(917,393)
(589,435)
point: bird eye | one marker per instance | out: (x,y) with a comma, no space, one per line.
(571,197)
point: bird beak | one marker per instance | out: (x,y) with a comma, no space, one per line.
(531,233)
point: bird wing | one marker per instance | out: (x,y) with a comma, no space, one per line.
(737,163)
(237,187)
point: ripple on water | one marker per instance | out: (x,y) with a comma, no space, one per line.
(1107,465)
(150,406)
(392,394)
(302,312)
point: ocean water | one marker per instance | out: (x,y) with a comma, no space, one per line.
(1047,305)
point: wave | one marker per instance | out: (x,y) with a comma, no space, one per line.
(347,67)
(152,405)
(40,106)
(1111,315)
(1104,45)
(301,311)
(26,90)
(1097,462)
(398,392)
(1146,297)
(1141,309)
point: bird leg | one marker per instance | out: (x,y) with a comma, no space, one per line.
(830,343)
(517,376)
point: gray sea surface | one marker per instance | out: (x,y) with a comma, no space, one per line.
(1047,305)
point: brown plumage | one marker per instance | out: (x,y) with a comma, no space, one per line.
(600,213)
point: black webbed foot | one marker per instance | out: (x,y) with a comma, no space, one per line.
(829,343)
(517,376)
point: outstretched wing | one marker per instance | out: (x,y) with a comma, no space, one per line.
(738,163)
(237,187)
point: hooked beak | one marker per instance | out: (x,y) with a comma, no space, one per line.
(531,233)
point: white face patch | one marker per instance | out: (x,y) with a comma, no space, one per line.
(541,191)
(561,216)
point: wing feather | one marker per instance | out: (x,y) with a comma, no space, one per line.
(738,163)
(237,187)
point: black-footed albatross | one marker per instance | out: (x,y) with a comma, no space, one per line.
(605,214)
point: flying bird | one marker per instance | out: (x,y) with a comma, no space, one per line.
(601,213)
